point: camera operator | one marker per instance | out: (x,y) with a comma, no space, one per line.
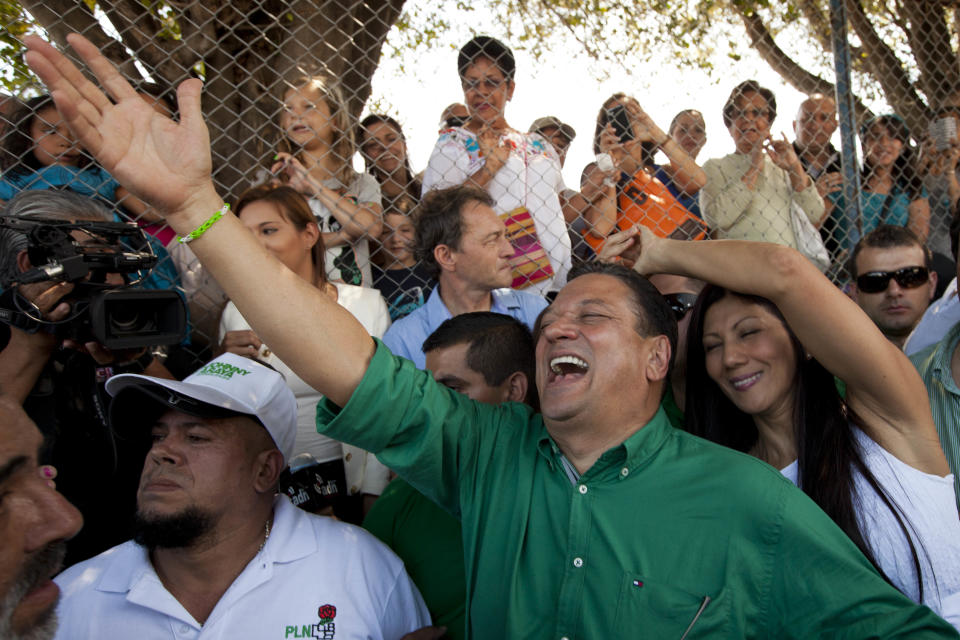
(59,381)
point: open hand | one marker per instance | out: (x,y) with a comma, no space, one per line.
(782,154)
(164,163)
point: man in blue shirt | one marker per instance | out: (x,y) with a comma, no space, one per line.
(464,243)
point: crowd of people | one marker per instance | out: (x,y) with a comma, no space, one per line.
(636,404)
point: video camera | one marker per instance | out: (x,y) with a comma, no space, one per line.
(85,253)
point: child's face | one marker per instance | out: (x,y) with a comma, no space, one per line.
(306,118)
(52,141)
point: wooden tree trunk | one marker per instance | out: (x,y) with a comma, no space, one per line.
(244,49)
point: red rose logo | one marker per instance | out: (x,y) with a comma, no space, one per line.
(327,613)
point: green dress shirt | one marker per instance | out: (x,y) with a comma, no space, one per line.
(933,363)
(666,536)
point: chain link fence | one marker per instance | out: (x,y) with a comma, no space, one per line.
(286,84)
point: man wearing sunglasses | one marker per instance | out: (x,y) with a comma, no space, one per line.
(681,294)
(893,281)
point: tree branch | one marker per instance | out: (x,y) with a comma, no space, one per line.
(798,77)
(883,64)
(929,40)
(61,17)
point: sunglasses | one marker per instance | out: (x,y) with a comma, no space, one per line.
(680,303)
(907,278)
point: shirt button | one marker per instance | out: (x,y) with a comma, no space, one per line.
(583,488)
(624,472)
(578,562)
(184,628)
(348,456)
(354,489)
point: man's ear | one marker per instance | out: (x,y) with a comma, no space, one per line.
(658,361)
(933,284)
(268,466)
(23,261)
(445,257)
(515,387)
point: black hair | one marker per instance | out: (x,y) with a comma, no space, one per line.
(904,171)
(887,236)
(499,347)
(827,450)
(439,220)
(745,87)
(18,144)
(654,316)
(413,186)
(648,147)
(491,49)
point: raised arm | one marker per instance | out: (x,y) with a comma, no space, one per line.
(883,388)
(167,165)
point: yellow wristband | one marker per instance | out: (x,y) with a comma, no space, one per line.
(199,231)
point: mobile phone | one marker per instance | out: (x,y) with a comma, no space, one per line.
(455,121)
(943,132)
(620,119)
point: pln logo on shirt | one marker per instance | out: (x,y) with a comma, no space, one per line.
(325,629)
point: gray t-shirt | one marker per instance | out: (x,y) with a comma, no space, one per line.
(349,263)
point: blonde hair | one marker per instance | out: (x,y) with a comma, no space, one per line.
(344,143)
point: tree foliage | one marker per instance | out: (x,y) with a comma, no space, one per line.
(245,50)
(902,50)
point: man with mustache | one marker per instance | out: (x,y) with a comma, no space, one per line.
(595,519)
(35,521)
(216,551)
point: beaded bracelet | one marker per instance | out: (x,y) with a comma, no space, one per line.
(199,231)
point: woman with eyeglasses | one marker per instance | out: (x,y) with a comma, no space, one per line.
(749,193)
(521,171)
(892,189)
(766,339)
(689,131)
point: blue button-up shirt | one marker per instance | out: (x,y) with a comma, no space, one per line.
(405,337)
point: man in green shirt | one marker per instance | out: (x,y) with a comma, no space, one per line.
(939,366)
(595,519)
(487,357)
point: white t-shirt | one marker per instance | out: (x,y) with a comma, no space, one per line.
(927,505)
(365,474)
(348,263)
(310,564)
(530,178)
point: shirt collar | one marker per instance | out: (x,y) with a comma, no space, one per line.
(503,301)
(943,354)
(627,457)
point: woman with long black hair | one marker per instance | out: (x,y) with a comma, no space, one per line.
(765,342)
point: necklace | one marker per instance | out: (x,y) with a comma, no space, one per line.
(266,534)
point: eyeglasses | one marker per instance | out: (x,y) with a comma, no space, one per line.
(488,83)
(750,114)
(680,303)
(908,278)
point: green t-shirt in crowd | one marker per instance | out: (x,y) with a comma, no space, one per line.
(429,541)
(666,535)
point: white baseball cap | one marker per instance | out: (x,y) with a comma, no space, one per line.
(224,387)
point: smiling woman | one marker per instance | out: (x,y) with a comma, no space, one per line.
(520,171)
(283,224)
(762,360)
(750,194)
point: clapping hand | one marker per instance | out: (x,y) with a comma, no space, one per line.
(782,154)
(165,163)
(495,153)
